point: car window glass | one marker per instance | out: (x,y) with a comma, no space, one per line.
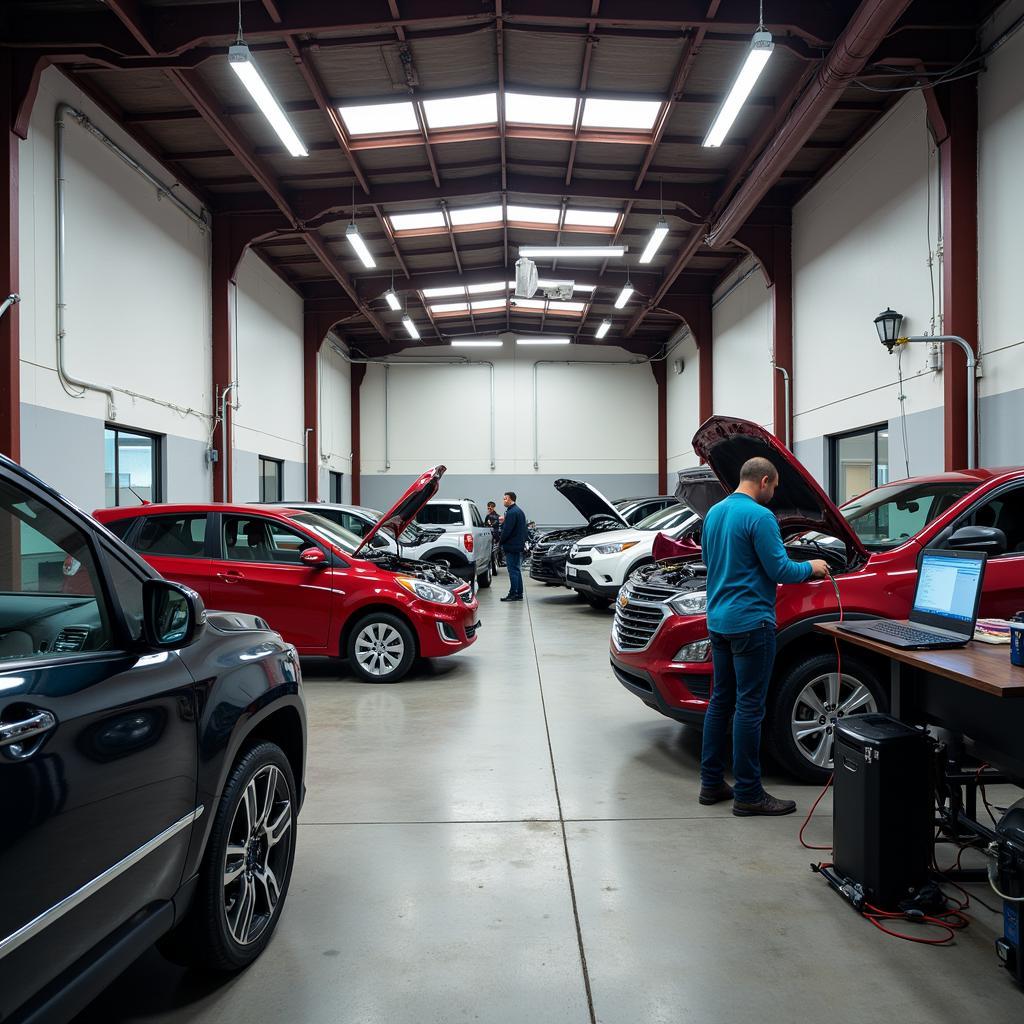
(663,518)
(440,514)
(51,602)
(354,524)
(254,539)
(475,514)
(127,584)
(120,527)
(172,536)
(1004,512)
(332,532)
(889,516)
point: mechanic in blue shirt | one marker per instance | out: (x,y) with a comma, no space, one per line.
(513,540)
(745,559)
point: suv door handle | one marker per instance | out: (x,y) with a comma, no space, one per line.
(14,734)
(231,577)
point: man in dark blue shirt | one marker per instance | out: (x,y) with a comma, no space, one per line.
(513,540)
(746,559)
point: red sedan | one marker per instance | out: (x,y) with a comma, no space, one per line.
(324,589)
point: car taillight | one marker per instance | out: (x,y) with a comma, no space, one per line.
(467,541)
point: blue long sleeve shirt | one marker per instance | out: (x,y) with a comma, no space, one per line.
(746,558)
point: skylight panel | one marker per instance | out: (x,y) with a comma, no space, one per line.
(524,108)
(448,307)
(377,118)
(440,293)
(476,215)
(565,307)
(637,114)
(592,218)
(534,214)
(492,303)
(530,303)
(491,286)
(412,221)
(462,111)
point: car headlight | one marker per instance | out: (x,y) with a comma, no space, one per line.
(690,604)
(614,549)
(699,650)
(426,591)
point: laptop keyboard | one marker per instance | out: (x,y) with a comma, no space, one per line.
(908,633)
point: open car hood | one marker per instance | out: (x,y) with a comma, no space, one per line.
(725,443)
(699,488)
(588,500)
(405,510)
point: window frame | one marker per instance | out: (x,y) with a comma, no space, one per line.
(223,556)
(335,493)
(834,440)
(279,463)
(157,468)
(970,513)
(143,520)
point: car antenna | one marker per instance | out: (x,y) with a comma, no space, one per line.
(142,500)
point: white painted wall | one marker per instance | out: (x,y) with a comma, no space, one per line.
(335,414)
(742,325)
(683,406)
(859,245)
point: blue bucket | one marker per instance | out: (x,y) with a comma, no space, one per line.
(1017,643)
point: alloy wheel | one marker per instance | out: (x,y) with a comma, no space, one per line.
(257,855)
(379,648)
(818,709)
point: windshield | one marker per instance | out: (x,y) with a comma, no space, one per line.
(889,516)
(666,518)
(342,539)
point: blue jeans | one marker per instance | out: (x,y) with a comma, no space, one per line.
(514,563)
(742,666)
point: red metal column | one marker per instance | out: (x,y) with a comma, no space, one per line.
(957,137)
(358,373)
(223,274)
(10,361)
(782,332)
(661,379)
(311,339)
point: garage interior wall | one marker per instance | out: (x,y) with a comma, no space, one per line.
(595,422)
(335,424)
(683,413)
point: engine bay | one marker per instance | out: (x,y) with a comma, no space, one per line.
(429,571)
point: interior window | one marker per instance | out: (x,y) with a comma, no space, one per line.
(50,598)
(252,539)
(1004,512)
(179,536)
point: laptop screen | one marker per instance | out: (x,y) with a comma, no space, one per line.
(947,589)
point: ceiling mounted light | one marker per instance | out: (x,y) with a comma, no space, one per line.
(595,252)
(476,343)
(241,62)
(624,295)
(760,50)
(359,245)
(407,323)
(393,300)
(543,340)
(658,235)
(603,329)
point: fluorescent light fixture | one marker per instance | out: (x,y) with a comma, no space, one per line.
(379,118)
(476,343)
(658,235)
(413,221)
(636,114)
(543,339)
(359,245)
(596,252)
(462,111)
(393,300)
(525,108)
(533,214)
(592,218)
(476,215)
(761,47)
(603,328)
(240,59)
(624,295)
(410,327)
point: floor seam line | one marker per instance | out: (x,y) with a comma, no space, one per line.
(561,820)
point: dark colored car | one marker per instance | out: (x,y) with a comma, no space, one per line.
(548,558)
(660,649)
(151,763)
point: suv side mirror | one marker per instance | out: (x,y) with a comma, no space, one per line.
(314,558)
(173,614)
(979,538)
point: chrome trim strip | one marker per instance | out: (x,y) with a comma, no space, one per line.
(58,910)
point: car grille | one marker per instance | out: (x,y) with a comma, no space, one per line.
(647,592)
(581,560)
(471,630)
(637,621)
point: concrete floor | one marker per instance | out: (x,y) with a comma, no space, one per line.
(509,836)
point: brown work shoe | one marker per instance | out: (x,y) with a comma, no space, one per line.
(768,805)
(715,794)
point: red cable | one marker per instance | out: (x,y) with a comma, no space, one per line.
(810,814)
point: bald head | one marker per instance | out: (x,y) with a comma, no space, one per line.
(758,479)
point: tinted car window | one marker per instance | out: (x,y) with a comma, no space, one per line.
(173,536)
(475,515)
(120,527)
(254,539)
(50,598)
(1004,512)
(441,514)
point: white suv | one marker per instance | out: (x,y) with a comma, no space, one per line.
(466,532)
(600,563)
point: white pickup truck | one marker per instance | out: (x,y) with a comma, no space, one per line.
(467,533)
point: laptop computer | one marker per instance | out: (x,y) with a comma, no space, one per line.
(945,608)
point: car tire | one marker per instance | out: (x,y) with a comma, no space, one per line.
(598,603)
(387,663)
(229,924)
(483,581)
(794,709)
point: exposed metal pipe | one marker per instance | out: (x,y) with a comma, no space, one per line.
(305,458)
(865,32)
(387,401)
(225,439)
(972,384)
(8,302)
(785,391)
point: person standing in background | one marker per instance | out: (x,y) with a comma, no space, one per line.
(513,540)
(493,520)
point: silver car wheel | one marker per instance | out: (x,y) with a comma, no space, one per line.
(818,709)
(257,855)
(379,648)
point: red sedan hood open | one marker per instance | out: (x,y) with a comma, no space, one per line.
(725,443)
(405,510)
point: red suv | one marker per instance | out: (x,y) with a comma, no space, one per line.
(324,589)
(659,645)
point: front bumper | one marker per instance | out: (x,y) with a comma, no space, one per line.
(580,579)
(445,629)
(548,568)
